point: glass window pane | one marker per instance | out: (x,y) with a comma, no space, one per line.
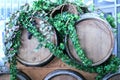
(103,2)
(8,12)
(118,1)
(108,11)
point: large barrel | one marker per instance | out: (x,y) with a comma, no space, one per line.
(20,76)
(62,74)
(28,52)
(114,76)
(95,37)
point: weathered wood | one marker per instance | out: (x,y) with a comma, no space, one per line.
(112,76)
(39,73)
(64,7)
(96,40)
(64,74)
(5,77)
(116,77)
(20,76)
(64,77)
(28,54)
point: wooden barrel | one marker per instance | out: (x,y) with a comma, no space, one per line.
(64,7)
(28,54)
(62,74)
(20,76)
(95,37)
(114,76)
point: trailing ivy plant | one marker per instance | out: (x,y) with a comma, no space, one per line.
(64,23)
(12,43)
(110,19)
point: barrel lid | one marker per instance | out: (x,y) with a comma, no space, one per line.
(112,76)
(96,39)
(64,74)
(64,7)
(28,54)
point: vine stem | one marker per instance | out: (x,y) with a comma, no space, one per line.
(67,21)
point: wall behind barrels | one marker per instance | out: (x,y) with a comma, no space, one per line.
(7,7)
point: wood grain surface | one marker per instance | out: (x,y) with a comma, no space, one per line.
(39,73)
(96,40)
(64,77)
(5,77)
(116,77)
(28,54)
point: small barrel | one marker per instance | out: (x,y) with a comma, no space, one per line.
(114,76)
(64,74)
(20,76)
(64,7)
(95,37)
(28,53)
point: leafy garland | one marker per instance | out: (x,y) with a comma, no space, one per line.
(24,19)
(64,23)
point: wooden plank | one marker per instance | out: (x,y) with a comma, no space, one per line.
(39,73)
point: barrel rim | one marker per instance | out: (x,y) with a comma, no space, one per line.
(43,63)
(92,16)
(70,72)
(110,75)
(20,75)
